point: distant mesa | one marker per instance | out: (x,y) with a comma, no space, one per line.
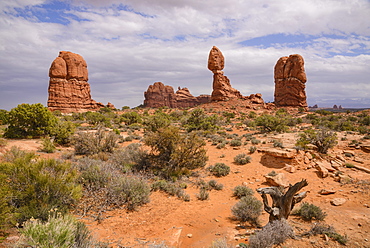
(69,90)
(290,79)
(222,89)
(160,95)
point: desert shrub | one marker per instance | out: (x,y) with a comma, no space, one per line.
(173,189)
(274,233)
(242,158)
(36,186)
(255,141)
(154,122)
(248,209)
(3,142)
(173,154)
(62,132)
(219,170)
(203,194)
(58,231)
(270,123)
(131,157)
(309,212)
(29,120)
(213,184)
(93,143)
(252,149)
(96,118)
(94,174)
(17,153)
(319,229)
(242,191)
(236,142)
(221,145)
(221,243)
(128,190)
(131,117)
(277,143)
(47,145)
(323,139)
(198,120)
(3,116)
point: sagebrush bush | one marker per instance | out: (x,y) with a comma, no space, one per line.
(173,189)
(36,186)
(219,170)
(241,191)
(93,143)
(213,184)
(221,243)
(248,209)
(242,159)
(319,229)
(94,174)
(203,194)
(252,149)
(255,141)
(132,157)
(62,231)
(309,212)
(274,233)
(128,190)
(236,142)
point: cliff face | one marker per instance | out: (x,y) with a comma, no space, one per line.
(160,95)
(290,79)
(69,90)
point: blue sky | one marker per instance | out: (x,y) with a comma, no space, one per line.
(131,44)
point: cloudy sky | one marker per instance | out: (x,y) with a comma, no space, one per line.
(130,44)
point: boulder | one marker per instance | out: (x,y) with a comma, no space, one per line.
(290,79)
(323,172)
(69,90)
(278,179)
(278,153)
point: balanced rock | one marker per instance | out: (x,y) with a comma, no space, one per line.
(69,90)
(222,89)
(290,79)
(160,95)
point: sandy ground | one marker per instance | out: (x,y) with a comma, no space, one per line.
(198,223)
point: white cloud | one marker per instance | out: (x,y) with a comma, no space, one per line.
(161,40)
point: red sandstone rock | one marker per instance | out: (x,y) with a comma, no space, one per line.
(69,90)
(160,95)
(290,79)
(222,89)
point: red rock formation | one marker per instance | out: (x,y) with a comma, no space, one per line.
(160,95)
(290,79)
(69,90)
(222,89)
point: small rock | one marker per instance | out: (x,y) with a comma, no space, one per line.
(359,160)
(290,168)
(277,180)
(349,152)
(326,237)
(341,158)
(366,205)
(189,235)
(338,201)
(258,180)
(326,192)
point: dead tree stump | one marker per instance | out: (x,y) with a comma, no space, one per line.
(282,204)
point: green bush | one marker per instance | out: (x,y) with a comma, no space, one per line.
(241,191)
(58,231)
(131,117)
(62,132)
(94,143)
(47,145)
(270,123)
(36,186)
(213,184)
(323,139)
(219,170)
(130,191)
(96,118)
(173,154)
(242,159)
(248,209)
(198,120)
(3,116)
(309,212)
(29,120)
(274,233)
(131,157)
(320,229)
(154,122)
(173,189)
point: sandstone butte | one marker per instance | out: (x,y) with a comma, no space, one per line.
(160,95)
(69,90)
(290,79)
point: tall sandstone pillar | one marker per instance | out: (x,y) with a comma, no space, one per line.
(290,79)
(69,90)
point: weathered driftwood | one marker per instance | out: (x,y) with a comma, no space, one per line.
(282,204)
